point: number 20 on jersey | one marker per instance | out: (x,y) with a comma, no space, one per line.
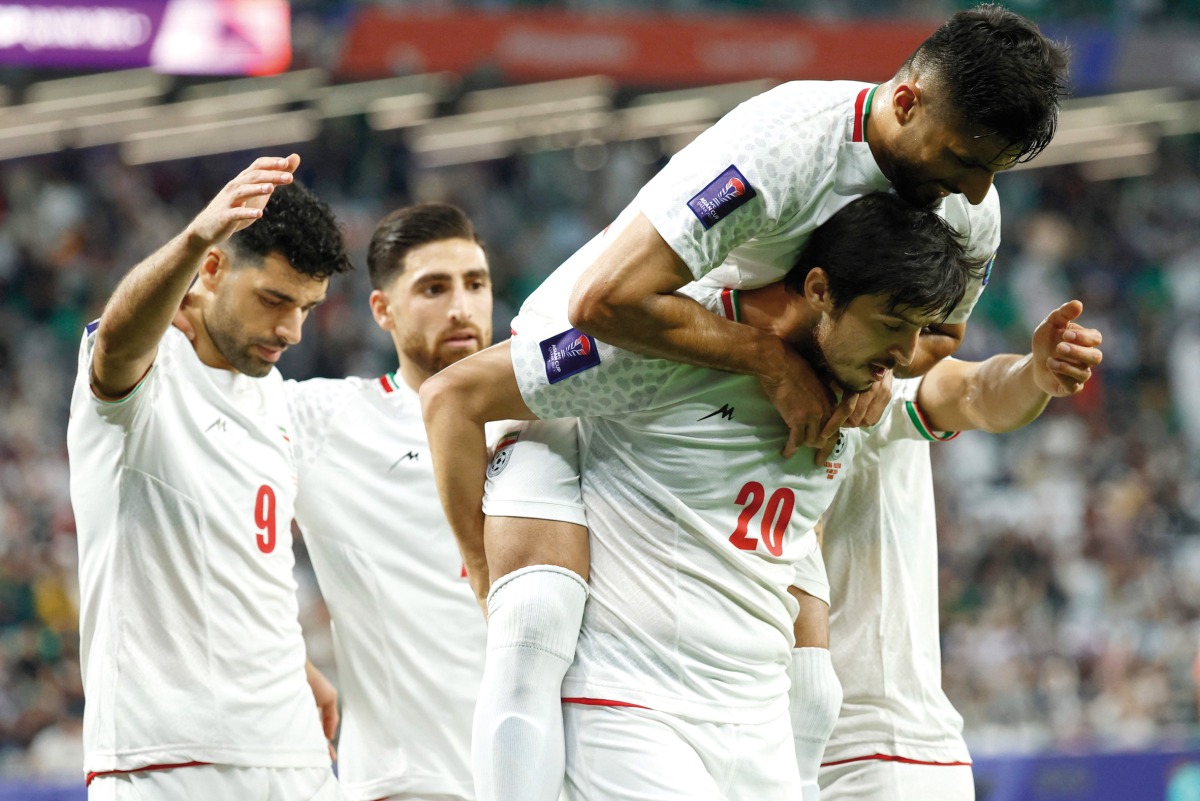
(774,521)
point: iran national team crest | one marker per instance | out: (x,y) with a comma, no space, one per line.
(503,453)
(568,353)
(833,464)
(725,195)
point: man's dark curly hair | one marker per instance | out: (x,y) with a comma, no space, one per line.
(882,245)
(299,227)
(999,73)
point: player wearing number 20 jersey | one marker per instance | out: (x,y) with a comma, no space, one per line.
(183,492)
(698,528)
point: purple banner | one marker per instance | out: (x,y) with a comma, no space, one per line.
(176,36)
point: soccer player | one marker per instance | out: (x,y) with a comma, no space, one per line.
(922,252)
(408,634)
(898,737)
(679,685)
(735,208)
(183,483)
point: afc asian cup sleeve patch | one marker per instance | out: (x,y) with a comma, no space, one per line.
(568,353)
(727,193)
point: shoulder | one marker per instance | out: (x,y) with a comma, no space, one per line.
(320,393)
(980,224)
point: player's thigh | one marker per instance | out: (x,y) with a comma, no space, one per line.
(623,754)
(889,780)
(533,502)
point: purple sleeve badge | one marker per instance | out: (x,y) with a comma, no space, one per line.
(568,353)
(725,195)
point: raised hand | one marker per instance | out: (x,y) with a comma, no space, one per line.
(242,200)
(1065,352)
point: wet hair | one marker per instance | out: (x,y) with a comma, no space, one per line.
(299,227)
(999,73)
(409,228)
(883,245)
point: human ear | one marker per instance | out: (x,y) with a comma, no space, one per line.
(381,310)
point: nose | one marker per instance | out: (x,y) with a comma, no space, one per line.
(904,352)
(288,326)
(457,311)
(975,185)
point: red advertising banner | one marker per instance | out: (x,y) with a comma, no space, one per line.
(647,49)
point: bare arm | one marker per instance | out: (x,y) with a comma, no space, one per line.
(456,403)
(146,300)
(1006,392)
(625,299)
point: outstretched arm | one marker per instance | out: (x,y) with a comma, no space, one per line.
(456,403)
(146,300)
(1006,392)
(626,299)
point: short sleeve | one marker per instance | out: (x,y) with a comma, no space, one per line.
(904,419)
(566,373)
(744,178)
(121,411)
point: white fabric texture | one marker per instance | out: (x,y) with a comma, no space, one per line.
(880,550)
(183,494)
(409,636)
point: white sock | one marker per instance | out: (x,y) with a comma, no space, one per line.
(517,747)
(816,700)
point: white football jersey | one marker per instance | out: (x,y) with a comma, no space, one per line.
(190,645)
(880,548)
(408,635)
(739,203)
(696,527)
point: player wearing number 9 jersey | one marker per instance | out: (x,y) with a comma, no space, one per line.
(183,483)
(699,528)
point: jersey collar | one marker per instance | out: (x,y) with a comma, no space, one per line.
(862,110)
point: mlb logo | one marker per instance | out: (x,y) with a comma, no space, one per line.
(568,353)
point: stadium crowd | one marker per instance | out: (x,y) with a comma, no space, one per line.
(1070,556)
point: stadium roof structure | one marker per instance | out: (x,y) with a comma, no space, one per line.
(152,117)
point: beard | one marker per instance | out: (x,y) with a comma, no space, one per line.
(812,349)
(227,338)
(432,359)
(907,181)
